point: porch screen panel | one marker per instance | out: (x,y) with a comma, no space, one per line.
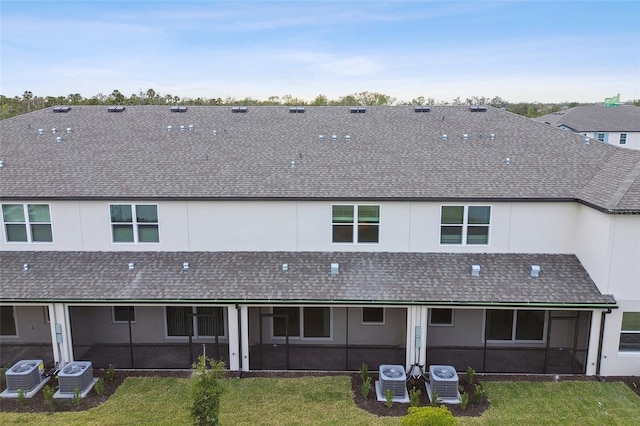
(530,325)
(317,322)
(7,321)
(178,320)
(279,324)
(499,324)
(208,319)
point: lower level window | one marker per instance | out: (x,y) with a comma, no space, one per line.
(7,321)
(200,321)
(515,325)
(312,321)
(630,333)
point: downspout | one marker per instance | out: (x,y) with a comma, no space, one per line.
(600,343)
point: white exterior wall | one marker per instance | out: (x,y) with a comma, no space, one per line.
(305,226)
(613,138)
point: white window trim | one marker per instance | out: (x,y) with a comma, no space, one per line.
(302,337)
(623,140)
(113,314)
(374,323)
(27,223)
(465,225)
(196,336)
(513,340)
(355,224)
(134,223)
(453,313)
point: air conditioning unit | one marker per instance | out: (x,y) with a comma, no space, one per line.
(75,375)
(444,381)
(25,375)
(394,378)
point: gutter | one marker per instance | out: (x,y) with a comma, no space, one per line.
(600,343)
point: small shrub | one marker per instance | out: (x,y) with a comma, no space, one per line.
(414,397)
(206,391)
(76,397)
(478,394)
(111,373)
(388,395)
(434,398)
(99,387)
(464,401)
(471,374)
(22,397)
(429,416)
(48,392)
(366,387)
(364,371)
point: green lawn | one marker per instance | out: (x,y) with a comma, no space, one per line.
(327,401)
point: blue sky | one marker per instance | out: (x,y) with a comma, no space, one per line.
(522,51)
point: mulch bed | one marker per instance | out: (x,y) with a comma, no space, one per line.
(370,404)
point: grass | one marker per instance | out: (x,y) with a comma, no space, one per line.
(328,401)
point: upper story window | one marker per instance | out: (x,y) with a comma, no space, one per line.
(630,332)
(141,227)
(623,138)
(27,223)
(465,224)
(602,137)
(355,223)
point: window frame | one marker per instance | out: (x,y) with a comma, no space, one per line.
(365,322)
(135,223)
(194,323)
(15,322)
(27,223)
(114,316)
(465,225)
(357,224)
(514,327)
(301,336)
(441,324)
(623,139)
(630,331)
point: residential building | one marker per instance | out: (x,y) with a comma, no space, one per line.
(297,238)
(616,125)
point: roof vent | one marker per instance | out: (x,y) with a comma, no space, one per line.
(535,271)
(185,265)
(25,266)
(58,138)
(492,136)
(334,137)
(507,161)
(335,269)
(214,132)
(132,266)
(169,128)
(475,270)
(182,128)
(178,109)
(1,164)
(53,130)
(357,110)
(62,109)
(321,138)
(421,109)
(191,127)
(347,138)
(586,141)
(478,108)
(41,131)
(298,110)
(239,109)
(445,136)
(293,164)
(285,267)
(465,137)
(115,109)
(69,130)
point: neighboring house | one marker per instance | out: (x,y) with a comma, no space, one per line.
(317,238)
(615,125)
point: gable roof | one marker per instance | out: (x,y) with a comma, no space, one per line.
(596,118)
(270,153)
(258,277)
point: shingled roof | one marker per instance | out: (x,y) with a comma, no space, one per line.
(596,118)
(258,277)
(271,153)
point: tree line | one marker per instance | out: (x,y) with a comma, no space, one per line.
(28,102)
